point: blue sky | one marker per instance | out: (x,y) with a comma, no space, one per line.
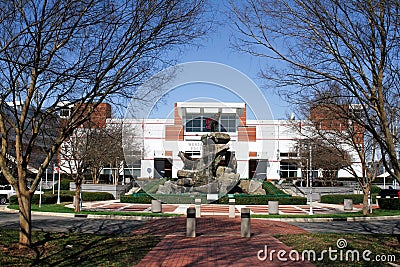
(217,48)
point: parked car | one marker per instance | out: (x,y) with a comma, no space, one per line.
(6,191)
(389,193)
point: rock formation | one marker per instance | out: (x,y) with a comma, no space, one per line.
(213,173)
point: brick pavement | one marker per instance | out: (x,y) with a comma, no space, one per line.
(215,209)
(218,243)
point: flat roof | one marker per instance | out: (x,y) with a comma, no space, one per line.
(210,105)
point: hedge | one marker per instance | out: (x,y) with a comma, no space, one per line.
(66,196)
(240,199)
(375,189)
(270,188)
(136,198)
(64,184)
(339,199)
(389,203)
(243,199)
(46,199)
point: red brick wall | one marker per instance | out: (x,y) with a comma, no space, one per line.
(99,116)
(247,134)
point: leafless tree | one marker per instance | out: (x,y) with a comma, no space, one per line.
(91,149)
(76,52)
(308,45)
(325,156)
(331,122)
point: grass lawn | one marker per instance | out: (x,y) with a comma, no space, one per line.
(65,249)
(61,208)
(375,213)
(382,246)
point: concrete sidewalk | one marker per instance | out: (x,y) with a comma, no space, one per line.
(218,243)
(216,209)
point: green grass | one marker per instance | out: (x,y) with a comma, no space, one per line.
(69,249)
(378,244)
(375,213)
(62,209)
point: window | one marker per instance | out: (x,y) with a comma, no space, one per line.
(193,154)
(196,123)
(193,124)
(288,155)
(65,112)
(133,169)
(228,123)
(288,169)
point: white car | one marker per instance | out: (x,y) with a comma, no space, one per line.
(6,191)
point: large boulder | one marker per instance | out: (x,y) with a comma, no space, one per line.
(252,187)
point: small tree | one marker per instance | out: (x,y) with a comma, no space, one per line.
(91,148)
(324,156)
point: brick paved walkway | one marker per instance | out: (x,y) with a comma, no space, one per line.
(218,243)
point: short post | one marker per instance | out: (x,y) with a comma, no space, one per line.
(191,222)
(273,207)
(197,203)
(156,206)
(231,208)
(245,222)
(348,204)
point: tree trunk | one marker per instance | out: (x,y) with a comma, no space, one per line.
(78,197)
(25,218)
(367,189)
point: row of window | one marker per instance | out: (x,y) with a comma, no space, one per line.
(205,123)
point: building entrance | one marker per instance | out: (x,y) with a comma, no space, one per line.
(162,168)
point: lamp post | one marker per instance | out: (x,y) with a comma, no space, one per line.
(311,181)
(58,186)
(54,176)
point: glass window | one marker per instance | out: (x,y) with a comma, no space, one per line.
(195,123)
(228,123)
(193,154)
(288,169)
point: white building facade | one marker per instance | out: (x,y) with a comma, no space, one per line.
(265,149)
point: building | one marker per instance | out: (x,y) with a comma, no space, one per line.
(264,149)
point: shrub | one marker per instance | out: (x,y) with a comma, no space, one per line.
(136,198)
(64,184)
(375,189)
(240,199)
(46,199)
(339,199)
(66,196)
(243,199)
(389,203)
(272,189)
(97,196)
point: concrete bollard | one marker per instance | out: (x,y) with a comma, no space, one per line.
(191,222)
(156,206)
(197,203)
(245,222)
(348,204)
(231,208)
(273,207)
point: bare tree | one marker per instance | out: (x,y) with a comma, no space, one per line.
(78,52)
(91,148)
(310,44)
(331,121)
(327,157)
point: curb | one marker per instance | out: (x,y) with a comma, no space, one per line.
(92,216)
(348,219)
